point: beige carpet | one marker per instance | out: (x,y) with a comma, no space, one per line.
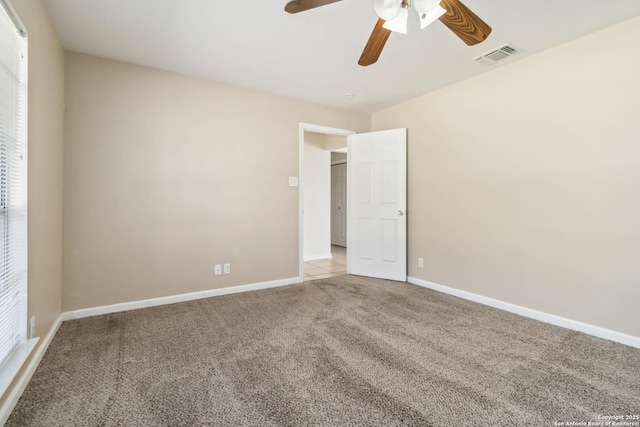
(333,352)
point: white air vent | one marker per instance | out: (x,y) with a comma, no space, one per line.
(497,54)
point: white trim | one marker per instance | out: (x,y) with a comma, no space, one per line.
(14,17)
(315,257)
(302,127)
(153,302)
(12,365)
(552,319)
(12,399)
(325,129)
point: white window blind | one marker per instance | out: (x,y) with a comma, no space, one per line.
(13,191)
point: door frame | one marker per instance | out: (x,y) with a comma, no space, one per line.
(302,128)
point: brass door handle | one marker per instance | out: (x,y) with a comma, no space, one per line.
(400,212)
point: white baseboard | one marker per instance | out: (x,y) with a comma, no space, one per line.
(315,257)
(152,302)
(21,384)
(563,322)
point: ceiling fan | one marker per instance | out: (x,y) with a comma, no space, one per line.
(393,15)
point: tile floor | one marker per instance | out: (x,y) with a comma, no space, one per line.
(323,268)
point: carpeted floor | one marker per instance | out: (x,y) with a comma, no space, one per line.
(340,351)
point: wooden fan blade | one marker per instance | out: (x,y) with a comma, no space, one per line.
(296,6)
(464,23)
(374,46)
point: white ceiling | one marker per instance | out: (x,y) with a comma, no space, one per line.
(313,55)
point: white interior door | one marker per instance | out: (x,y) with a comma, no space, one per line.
(377,227)
(339,205)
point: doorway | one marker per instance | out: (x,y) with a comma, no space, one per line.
(318,257)
(325,212)
(376,195)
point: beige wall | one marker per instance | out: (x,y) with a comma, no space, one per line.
(317,192)
(524,182)
(45,139)
(166,176)
(317,197)
(335,142)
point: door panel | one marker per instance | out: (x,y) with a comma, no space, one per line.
(378,189)
(365,239)
(389,240)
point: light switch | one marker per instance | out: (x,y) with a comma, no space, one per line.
(293,181)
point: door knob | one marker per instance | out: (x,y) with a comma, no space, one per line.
(401,212)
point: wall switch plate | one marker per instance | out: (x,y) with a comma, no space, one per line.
(227,269)
(218,270)
(420,262)
(293,181)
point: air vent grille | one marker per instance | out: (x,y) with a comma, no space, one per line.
(497,54)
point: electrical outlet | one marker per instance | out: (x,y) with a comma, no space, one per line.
(32,327)
(227,269)
(218,270)
(420,262)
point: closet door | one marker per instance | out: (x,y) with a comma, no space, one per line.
(339,205)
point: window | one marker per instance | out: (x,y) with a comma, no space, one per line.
(14,347)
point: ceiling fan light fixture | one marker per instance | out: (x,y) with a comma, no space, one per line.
(431,16)
(399,24)
(387,9)
(424,6)
(393,16)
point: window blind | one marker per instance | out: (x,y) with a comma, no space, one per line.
(13,186)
